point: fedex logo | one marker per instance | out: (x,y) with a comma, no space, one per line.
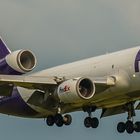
(137,60)
(64,89)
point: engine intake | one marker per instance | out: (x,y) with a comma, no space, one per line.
(22,61)
(85,88)
(76,90)
(26,61)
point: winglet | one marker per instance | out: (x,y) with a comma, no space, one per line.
(4,50)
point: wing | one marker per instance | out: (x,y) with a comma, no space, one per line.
(41,82)
(30,82)
(103,83)
(113,111)
(7,82)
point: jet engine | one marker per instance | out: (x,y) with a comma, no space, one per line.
(22,61)
(76,90)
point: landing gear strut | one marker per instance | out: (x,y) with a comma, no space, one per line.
(89,121)
(129,126)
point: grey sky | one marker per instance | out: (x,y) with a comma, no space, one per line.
(61,31)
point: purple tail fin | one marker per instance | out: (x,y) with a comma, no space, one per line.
(4,50)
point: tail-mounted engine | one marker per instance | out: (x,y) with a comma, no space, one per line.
(76,90)
(18,62)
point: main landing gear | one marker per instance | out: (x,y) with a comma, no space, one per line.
(59,120)
(89,121)
(129,126)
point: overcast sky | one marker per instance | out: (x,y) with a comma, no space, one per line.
(61,31)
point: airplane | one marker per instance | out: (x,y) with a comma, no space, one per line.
(108,82)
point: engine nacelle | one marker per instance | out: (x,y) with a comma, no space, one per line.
(22,61)
(76,90)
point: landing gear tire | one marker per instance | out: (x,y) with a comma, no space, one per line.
(94,122)
(121,127)
(67,119)
(91,122)
(87,122)
(137,126)
(59,120)
(50,120)
(129,127)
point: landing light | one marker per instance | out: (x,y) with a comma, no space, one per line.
(134,75)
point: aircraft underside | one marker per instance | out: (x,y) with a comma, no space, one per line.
(16,106)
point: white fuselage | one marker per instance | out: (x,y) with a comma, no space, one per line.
(99,66)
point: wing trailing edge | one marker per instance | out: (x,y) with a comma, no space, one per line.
(113,111)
